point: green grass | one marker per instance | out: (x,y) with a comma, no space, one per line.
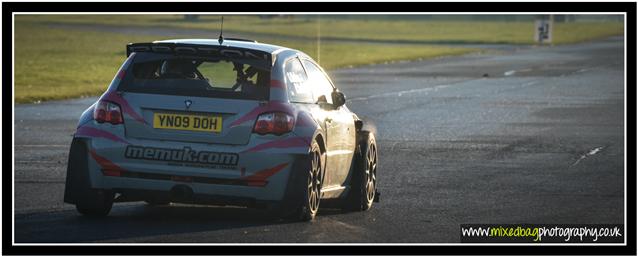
(65,63)
(516,32)
(55,64)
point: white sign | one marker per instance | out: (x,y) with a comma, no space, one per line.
(543,32)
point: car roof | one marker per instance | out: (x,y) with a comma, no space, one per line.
(272,49)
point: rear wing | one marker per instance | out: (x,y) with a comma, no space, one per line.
(251,57)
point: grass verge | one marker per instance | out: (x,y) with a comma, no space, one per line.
(422,31)
(53,64)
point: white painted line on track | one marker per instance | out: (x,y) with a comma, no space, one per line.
(400,93)
(46,162)
(42,145)
(590,153)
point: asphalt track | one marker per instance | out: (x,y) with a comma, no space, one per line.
(521,135)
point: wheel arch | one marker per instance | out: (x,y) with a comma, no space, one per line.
(364,126)
(321,141)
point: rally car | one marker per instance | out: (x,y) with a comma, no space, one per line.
(221,122)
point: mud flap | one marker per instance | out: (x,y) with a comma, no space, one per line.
(77,177)
(296,182)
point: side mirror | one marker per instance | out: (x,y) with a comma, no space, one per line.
(338,99)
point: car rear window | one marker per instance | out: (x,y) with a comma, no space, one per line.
(193,76)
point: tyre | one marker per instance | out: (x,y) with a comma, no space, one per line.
(364,180)
(309,186)
(88,201)
(98,203)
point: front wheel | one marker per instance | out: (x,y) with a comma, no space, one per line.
(364,179)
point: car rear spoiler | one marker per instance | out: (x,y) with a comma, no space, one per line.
(251,57)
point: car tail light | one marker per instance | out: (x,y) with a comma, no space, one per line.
(108,112)
(274,123)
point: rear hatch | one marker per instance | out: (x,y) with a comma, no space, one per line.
(208,120)
(192,98)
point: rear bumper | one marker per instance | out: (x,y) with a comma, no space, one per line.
(258,177)
(200,192)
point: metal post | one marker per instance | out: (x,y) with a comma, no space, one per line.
(551,28)
(319,39)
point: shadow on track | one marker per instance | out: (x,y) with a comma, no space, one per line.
(140,221)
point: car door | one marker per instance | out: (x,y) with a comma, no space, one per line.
(340,128)
(301,92)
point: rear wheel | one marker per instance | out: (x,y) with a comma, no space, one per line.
(308,206)
(88,201)
(364,180)
(97,203)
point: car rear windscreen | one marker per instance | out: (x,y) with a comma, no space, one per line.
(168,74)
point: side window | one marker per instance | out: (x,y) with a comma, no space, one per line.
(318,82)
(298,90)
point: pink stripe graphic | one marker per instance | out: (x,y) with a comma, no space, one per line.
(260,178)
(126,108)
(105,163)
(93,132)
(284,143)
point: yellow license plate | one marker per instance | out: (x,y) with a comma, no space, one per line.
(206,123)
